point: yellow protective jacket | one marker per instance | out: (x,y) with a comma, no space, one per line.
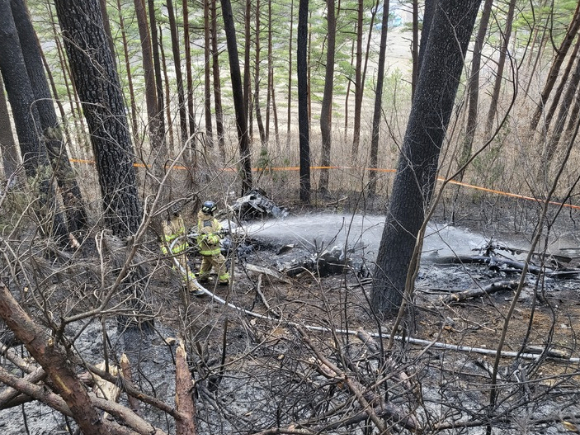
(208,230)
(174,229)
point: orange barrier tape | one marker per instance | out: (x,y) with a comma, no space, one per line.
(297,168)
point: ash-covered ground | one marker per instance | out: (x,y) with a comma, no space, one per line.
(257,372)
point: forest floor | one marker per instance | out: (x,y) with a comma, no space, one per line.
(255,370)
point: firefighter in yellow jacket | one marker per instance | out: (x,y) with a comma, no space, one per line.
(210,233)
(174,243)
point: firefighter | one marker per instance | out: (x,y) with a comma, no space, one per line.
(209,236)
(174,243)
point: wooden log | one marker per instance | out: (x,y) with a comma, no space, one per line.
(184,395)
(479,291)
(127,374)
(266,271)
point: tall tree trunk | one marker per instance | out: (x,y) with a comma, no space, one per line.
(107,27)
(167,94)
(430,7)
(51,132)
(500,67)
(257,82)
(188,71)
(303,120)
(77,115)
(217,92)
(326,110)
(415,47)
(10,157)
(561,54)
(207,74)
(27,120)
(270,85)
(473,86)
(129,76)
(439,77)
(289,99)
(358,87)
(178,74)
(155,45)
(376,130)
(565,106)
(247,69)
(156,138)
(347,94)
(563,82)
(98,87)
(239,103)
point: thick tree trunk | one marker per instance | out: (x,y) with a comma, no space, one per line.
(98,87)
(239,102)
(52,134)
(418,163)
(303,119)
(10,157)
(374,155)
(27,120)
(326,110)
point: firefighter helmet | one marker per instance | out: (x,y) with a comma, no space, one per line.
(209,207)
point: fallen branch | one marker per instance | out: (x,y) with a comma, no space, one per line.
(271,273)
(183,394)
(479,291)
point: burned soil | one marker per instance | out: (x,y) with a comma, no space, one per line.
(293,344)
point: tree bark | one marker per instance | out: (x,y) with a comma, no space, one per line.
(239,102)
(98,88)
(358,88)
(418,163)
(303,119)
